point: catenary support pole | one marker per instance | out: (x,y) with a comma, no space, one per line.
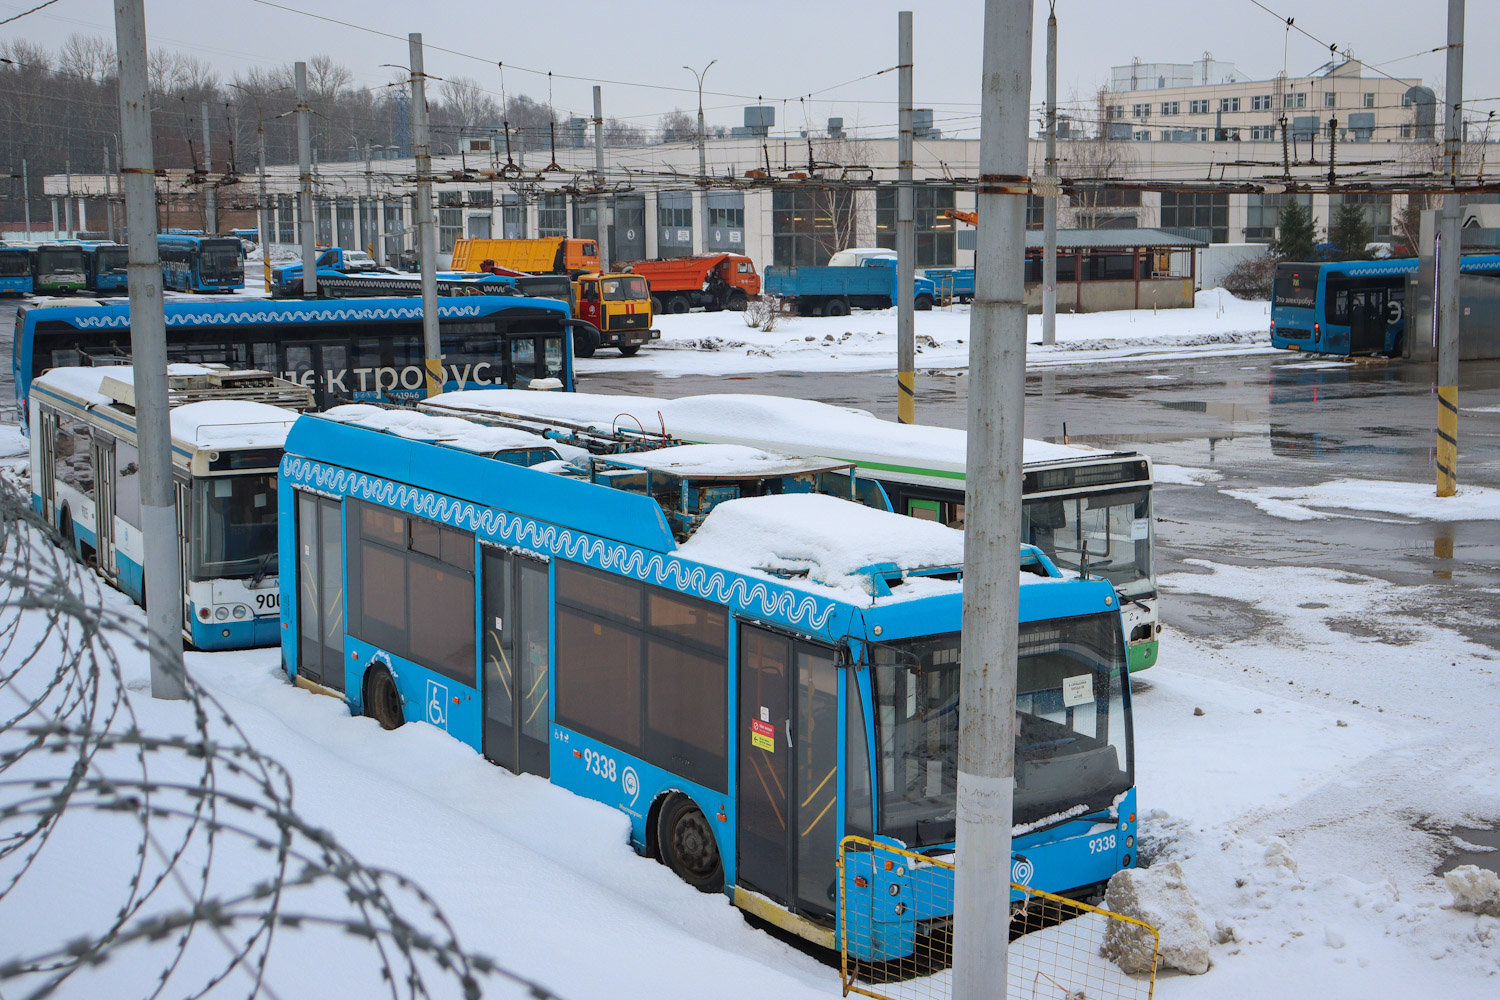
(263,222)
(68,199)
(369,212)
(109,207)
(426,232)
(997,389)
(26,196)
(210,193)
(306,225)
(906,233)
(148,350)
(601,202)
(1449,245)
(1049,205)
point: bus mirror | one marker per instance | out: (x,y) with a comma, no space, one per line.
(545,384)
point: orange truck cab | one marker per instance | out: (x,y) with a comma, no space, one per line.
(619,306)
(714,281)
(543,256)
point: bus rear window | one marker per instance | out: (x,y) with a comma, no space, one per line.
(1295,288)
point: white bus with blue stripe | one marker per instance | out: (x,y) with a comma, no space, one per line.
(713,639)
(227,439)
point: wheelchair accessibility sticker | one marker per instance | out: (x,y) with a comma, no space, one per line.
(437,704)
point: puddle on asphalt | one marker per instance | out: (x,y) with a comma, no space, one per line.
(1471,846)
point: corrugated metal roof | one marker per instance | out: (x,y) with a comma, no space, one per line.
(1094,239)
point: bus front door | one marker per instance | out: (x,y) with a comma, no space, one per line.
(103,459)
(788,759)
(320,591)
(516,662)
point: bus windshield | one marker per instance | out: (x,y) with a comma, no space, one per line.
(625,289)
(1072,740)
(111,259)
(1112,529)
(234,520)
(220,260)
(16,264)
(59,260)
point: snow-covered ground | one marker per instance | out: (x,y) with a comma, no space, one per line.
(1302,777)
(721,343)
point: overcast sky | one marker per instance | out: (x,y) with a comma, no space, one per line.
(778,49)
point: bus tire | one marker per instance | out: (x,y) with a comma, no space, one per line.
(383,699)
(687,845)
(65,529)
(738,302)
(924,303)
(835,307)
(630,351)
(678,304)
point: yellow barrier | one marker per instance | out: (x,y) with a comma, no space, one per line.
(1057,945)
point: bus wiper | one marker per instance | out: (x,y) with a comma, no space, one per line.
(1133,600)
(260,569)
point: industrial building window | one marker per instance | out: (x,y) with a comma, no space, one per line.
(1198,107)
(1261,103)
(935,242)
(674,217)
(1263,214)
(514,215)
(585,221)
(481,198)
(450,228)
(808,227)
(1262,133)
(645,669)
(1196,210)
(1229,104)
(1369,100)
(1169,107)
(286,219)
(411,590)
(1140,110)
(1330,99)
(1377,211)
(728,218)
(1296,100)
(1141,135)
(552,215)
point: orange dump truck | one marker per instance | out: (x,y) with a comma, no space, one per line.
(546,256)
(714,281)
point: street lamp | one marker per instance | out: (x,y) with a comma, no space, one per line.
(699,75)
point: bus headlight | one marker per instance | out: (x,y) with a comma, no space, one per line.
(240,611)
(221,613)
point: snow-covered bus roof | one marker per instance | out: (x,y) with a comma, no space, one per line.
(219,423)
(456,432)
(722,461)
(777,423)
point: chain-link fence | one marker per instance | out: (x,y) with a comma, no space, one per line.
(167,858)
(896,935)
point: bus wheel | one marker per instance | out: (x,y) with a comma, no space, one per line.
(687,845)
(65,528)
(677,305)
(382,700)
(630,351)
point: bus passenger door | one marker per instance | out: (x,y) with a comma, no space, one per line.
(516,661)
(320,590)
(44,476)
(788,759)
(103,460)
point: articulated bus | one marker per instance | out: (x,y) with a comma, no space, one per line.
(58,269)
(366,350)
(714,640)
(106,268)
(201,263)
(1088,510)
(227,433)
(15,270)
(1352,306)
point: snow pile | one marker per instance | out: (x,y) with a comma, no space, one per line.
(453,431)
(1302,503)
(827,539)
(232,423)
(1179,475)
(1159,896)
(1474,889)
(719,460)
(12,441)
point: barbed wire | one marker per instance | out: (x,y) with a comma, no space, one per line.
(78,763)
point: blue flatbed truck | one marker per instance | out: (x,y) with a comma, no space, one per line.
(833,291)
(952,282)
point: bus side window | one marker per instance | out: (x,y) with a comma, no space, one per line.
(73,462)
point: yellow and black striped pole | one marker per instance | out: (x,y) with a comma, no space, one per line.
(906,397)
(1447,440)
(434,377)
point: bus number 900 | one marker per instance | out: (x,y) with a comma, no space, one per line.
(267,602)
(597,763)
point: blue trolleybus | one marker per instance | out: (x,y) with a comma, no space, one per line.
(714,640)
(1352,306)
(366,350)
(227,431)
(105,268)
(15,270)
(201,263)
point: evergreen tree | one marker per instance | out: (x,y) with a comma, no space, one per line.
(1350,232)
(1297,233)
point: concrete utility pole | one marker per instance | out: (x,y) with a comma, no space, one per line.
(601,202)
(26,196)
(68,200)
(1049,206)
(992,542)
(305,224)
(109,208)
(148,350)
(210,193)
(702,157)
(263,223)
(369,207)
(1446,253)
(426,231)
(906,235)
